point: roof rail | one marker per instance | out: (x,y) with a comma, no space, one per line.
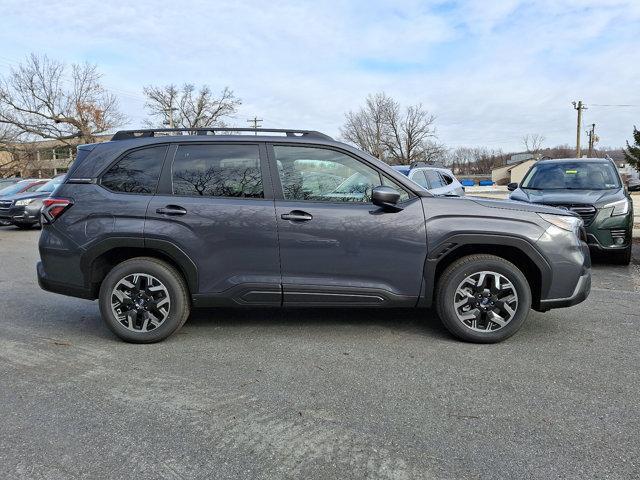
(151,132)
(429,163)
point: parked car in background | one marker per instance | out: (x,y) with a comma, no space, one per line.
(26,185)
(633,184)
(22,186)
(591,188)
(23,209)
(154,224)
(5,182)
(437,180)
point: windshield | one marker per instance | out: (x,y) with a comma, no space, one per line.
(50,185)
(15,188)
(572,175)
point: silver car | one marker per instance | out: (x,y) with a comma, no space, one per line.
(437,180)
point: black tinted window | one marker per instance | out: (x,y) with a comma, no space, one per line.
(218,171)
(137,172)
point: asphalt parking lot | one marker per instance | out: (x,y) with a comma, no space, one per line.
(316,394)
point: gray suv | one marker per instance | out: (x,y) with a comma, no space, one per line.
(156,222)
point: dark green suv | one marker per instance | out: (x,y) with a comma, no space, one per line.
(590,187)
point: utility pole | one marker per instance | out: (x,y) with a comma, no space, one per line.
(255,120)
(579,107)
(592,138)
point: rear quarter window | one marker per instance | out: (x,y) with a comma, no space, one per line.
(137,172)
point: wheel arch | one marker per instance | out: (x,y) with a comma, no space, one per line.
(517,250)
(102,257)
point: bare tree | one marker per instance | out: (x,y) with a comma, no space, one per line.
(410,134)
(533,142)
(9,158)
(43,98)
(385,130)
(368,127)
(188,108)
(474,160)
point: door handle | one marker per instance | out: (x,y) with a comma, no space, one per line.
(172,210)
(297,216)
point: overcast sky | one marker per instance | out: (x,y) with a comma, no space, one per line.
(491,71)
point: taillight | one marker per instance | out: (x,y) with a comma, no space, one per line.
(52,208)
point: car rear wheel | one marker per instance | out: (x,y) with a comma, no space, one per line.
(24,226)
(144,300)
(483,298)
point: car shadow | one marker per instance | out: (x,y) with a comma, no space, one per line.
(419,321)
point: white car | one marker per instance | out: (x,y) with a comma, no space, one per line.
(439,181)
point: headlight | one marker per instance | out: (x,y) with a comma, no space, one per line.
(24,203)
(565,222)
(621,207)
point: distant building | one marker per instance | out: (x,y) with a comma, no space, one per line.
(40,159)
(515,169)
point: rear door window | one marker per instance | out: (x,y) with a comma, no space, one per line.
(217,171)
(136,172)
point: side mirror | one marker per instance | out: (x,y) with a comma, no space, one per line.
(512,186)
(386,198)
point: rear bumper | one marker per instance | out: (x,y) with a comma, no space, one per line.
(61,288)
(581,292)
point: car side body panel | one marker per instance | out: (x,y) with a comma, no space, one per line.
(352,254)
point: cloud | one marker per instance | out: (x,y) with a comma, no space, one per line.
(490,71)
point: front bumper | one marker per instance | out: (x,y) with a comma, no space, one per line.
(24,215)
(604,230)
(580,293)
(569,256)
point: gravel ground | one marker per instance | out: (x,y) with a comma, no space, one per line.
(316,394)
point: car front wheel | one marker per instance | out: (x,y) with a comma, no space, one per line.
(144,300)
(483,298)
(622,257)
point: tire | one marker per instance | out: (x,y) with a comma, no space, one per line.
(469,269)
(623,257)
(24,226)
(152,274)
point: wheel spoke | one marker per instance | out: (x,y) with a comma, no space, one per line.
(470,315)
(509,310)
(495,318)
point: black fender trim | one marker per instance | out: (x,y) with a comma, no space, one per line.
(178,255)
(455,241)
(169,249)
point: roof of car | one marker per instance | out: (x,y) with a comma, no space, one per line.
(564,160)
(214,131)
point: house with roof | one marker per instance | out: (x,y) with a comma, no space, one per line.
(515,168)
